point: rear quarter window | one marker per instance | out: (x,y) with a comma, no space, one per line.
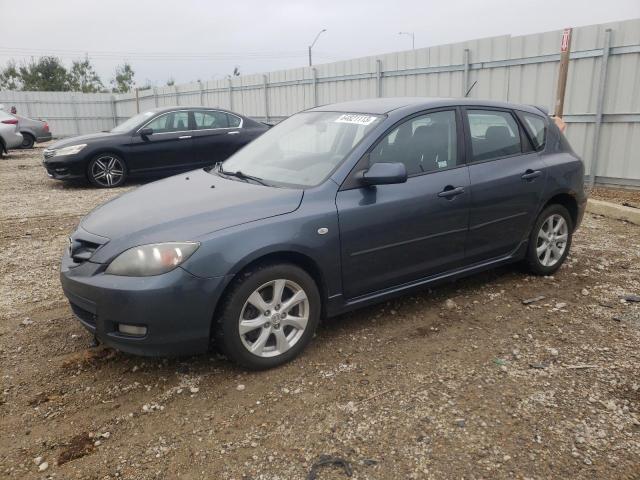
(536,127)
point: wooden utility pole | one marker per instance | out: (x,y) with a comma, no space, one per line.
(565,51)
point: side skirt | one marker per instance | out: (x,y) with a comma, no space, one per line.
(337,305)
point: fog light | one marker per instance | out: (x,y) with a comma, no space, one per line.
(136,330)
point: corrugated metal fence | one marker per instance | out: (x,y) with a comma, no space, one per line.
(523,69)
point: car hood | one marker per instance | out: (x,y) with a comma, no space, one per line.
(82,139)
(183,207)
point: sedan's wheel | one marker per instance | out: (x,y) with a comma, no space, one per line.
(27,141)
(107,171)
(550,240)
(269,316)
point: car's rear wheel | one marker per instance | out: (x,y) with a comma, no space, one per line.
(550,240)
(107,171)
(27,140)
(269,316)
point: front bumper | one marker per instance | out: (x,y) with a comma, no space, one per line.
(67,169)
(176,308)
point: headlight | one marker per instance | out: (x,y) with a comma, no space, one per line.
(72,150)
(153,259)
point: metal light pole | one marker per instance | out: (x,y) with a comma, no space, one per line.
(314,42)
(413,38)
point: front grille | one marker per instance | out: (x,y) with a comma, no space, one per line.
(48,154)
(84,315)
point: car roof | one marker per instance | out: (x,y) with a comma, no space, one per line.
(181,107)
(381,106)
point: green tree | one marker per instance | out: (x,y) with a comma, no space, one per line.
(171,82)
(123,81)
(83,77)
(46,74)
(10,78)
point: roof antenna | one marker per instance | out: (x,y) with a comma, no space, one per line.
(470,88)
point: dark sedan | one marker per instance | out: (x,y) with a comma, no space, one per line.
(158,142)
(334,208)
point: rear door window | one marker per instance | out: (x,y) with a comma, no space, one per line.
(494,134)
(210,119)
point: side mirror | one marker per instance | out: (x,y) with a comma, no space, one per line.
(145,132)
(384,174)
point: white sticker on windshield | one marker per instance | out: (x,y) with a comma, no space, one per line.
(356,119)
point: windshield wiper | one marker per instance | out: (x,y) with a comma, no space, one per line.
(242,176)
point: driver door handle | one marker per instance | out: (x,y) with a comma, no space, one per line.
(450,192)
(531,174)
(236,132)
(184,137)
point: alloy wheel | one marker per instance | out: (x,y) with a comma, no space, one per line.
(274,318)
(107,171)
(552,240)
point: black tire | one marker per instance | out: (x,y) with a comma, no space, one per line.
(533,261)
(226,328)
(107,170)
(27,141)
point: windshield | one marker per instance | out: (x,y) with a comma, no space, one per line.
(304,149)
(132,122)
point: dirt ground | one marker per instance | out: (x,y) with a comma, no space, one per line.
(621,196)
(464,381)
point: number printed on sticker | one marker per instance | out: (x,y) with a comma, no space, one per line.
(356,119)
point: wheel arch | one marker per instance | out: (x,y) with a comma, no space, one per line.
(568,201)
(299,259)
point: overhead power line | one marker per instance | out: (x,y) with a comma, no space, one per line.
(28,52)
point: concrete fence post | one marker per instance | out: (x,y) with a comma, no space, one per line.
(114,110)
(606,48)
(230,94)
(465,74)
(155,96)
(74,109)
(28,105)
(378,78)
(314,86)
(177,94)
(201,93)
(265,82)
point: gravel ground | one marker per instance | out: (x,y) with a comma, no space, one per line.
(464,381)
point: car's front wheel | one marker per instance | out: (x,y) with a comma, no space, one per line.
(268,317)
(107,171)
(550,240)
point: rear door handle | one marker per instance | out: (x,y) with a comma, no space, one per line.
(531,174)
(450,192)
(184,137)
(233,133)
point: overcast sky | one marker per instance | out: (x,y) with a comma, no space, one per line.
(196,39)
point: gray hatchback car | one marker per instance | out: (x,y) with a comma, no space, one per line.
(335,208)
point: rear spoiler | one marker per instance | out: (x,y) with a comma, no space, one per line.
(268,124)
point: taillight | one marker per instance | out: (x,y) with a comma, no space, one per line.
(46,127)
(11,121)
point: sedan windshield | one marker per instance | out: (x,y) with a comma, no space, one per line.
(303,150)
(131,123)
